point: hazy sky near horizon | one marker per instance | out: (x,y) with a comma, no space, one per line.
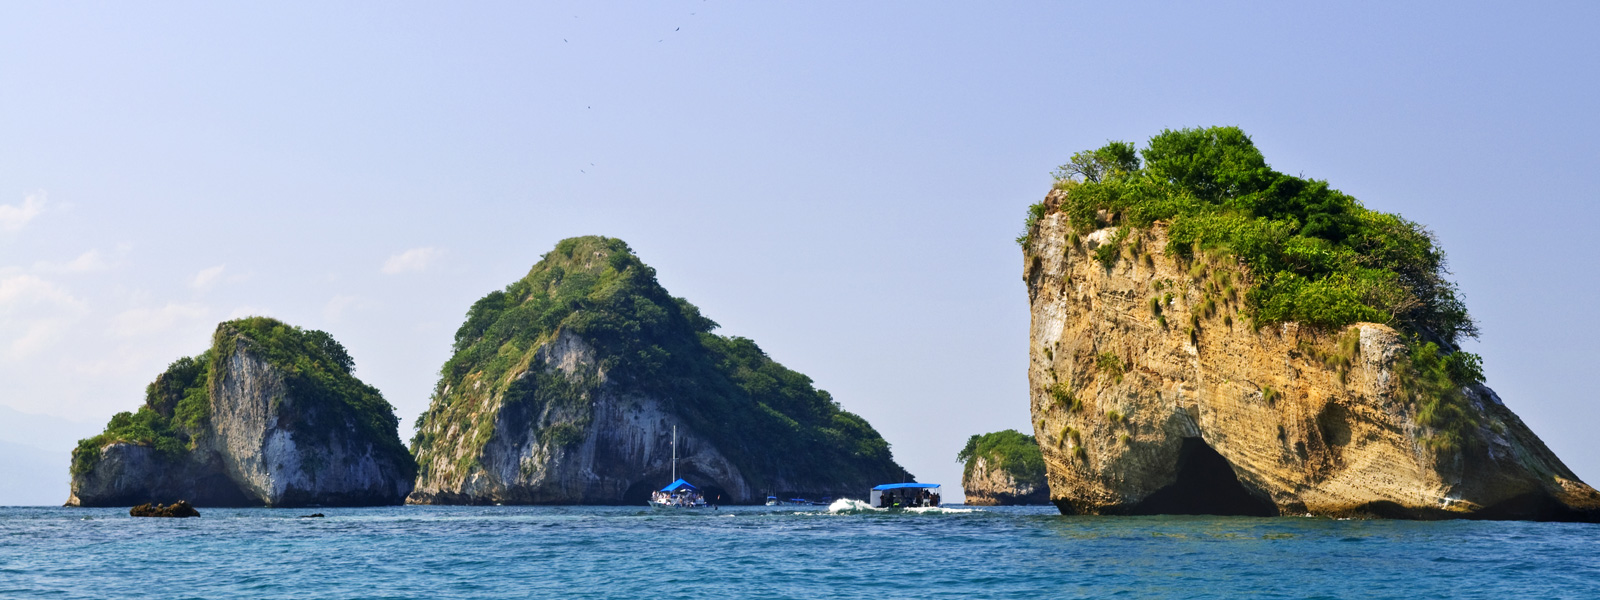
(840,182)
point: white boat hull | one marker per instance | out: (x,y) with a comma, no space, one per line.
(668,505)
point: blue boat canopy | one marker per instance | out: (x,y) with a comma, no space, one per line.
(679,485)
(897,486)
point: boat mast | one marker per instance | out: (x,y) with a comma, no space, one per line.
(674,452)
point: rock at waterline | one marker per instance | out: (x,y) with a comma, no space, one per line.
(1003,468)
(177,510)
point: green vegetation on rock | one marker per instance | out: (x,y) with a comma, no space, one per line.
(770,421)
(1017,454)
(319,373)
(176,407)
(1315,255)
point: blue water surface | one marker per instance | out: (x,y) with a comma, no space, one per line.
(760,552)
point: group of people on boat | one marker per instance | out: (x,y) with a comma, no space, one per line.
(908,498)
(684,498)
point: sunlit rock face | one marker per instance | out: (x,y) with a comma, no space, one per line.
(1206,414)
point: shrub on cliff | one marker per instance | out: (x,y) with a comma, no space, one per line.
(1317,255)
(176,407)
(1017,454)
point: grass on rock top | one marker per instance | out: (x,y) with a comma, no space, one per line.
(1015,453)
(1315,255)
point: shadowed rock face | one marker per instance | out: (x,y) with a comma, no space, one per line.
(1134,417)
(565,389)
(262,442)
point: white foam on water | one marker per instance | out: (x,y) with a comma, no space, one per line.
(940,510)
(847,506)
(844,505)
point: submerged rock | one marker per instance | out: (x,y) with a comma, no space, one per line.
(1153,393)
(271,415)
(1003,468)
(179,509)
(566,386)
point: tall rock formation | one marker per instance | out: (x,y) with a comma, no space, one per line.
(1003,468)
(271,415)
(565,389)
(1202,343)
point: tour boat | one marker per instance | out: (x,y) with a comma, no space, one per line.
(905,495)
(679,493)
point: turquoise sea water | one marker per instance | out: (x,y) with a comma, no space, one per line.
(760,552)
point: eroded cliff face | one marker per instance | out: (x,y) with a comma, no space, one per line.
(986,484)
(1212,416)
(610,447)
(262,443)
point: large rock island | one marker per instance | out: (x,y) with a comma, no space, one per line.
(565,388)
(271,415)
(1003,468)
(1212,336)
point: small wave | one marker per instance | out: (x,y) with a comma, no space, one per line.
(848,506)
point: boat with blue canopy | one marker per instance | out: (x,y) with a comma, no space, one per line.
(679,493)
(906,495)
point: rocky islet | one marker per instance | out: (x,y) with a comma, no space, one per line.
(270,415)
(1166,378)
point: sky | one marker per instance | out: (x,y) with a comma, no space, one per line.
(839,181)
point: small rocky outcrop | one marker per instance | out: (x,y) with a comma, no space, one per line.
(1197,347)
(271,415)
(179,510)
(1003,468)
(565,388)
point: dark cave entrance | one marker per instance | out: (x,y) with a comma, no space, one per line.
(1206,485)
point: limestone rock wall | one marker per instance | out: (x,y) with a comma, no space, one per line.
(1134,416)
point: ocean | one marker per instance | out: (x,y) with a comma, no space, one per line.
(778,552)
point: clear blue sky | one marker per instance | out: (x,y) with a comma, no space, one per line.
(840,182)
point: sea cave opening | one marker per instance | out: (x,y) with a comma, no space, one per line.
(1206,485)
